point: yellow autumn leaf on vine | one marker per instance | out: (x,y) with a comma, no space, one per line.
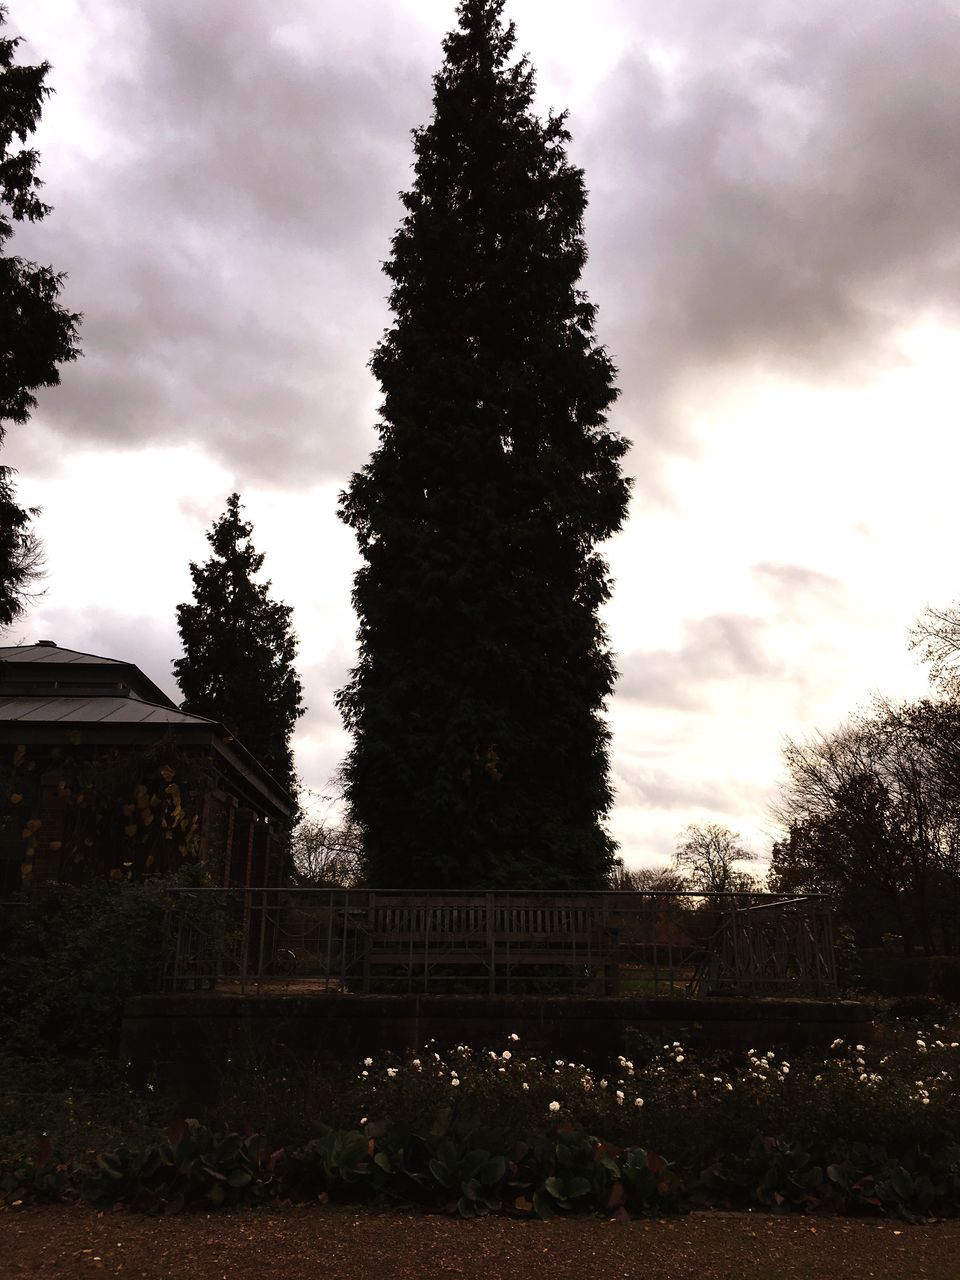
(147,817)
(26,870)
(130,829)
(167,774)
(56,845)
(19,756)
(129,810)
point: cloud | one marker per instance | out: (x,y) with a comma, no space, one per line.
(225,247)
(648,787)
(774,193)
(794,587)
(723,646)
(108,633)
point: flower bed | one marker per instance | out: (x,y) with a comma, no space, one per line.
(858,1130)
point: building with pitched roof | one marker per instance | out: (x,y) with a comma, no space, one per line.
(59,707)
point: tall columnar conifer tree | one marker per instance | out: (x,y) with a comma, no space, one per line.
(479,753)
(239,648)
(37,334)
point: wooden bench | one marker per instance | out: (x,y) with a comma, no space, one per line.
(499,937)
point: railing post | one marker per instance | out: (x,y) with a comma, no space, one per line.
(263,929)
(491,945)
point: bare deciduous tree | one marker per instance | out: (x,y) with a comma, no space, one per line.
(707,854)
(872,816)
(936,636)
(327,853)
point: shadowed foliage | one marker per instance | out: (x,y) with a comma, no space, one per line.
(238,648)
(480,751)
(37,334)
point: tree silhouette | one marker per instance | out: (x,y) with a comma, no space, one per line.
(479,751)
(37,334)
(239,648)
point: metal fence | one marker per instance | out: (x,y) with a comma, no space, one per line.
(607,943)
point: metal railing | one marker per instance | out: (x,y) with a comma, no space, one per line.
(606,943)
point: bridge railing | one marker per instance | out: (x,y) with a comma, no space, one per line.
(606,943)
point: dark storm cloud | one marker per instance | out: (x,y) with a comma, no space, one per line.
(780,201)
(226,249)
(719,647)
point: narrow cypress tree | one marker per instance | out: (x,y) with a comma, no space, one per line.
(239,648)
(37,334)
(480,754)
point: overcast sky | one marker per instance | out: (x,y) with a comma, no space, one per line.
(775,251)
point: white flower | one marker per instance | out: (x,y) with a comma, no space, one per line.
(554,1106)
(619,1096)
(679,1057)
(493,1055)
(770,1054)
(525,1087)
(729,1086)
(364,1074)
(838,1043)
(513,1036)
(363,1119)
(603,1084)
(506,1055)
(455,1083)
(416,1063)
(718,1079)
(638,1102)
(368,1062)
(785,1069)
(391,1072)
(859,1048)
(502,1070)
(921,1044)
(955,1044)
(925,1101)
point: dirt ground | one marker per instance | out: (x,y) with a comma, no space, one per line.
(63,1242)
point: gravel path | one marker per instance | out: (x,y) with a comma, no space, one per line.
(64,1242)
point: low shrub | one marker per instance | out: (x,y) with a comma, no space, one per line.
(69,958)
(866,1130)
